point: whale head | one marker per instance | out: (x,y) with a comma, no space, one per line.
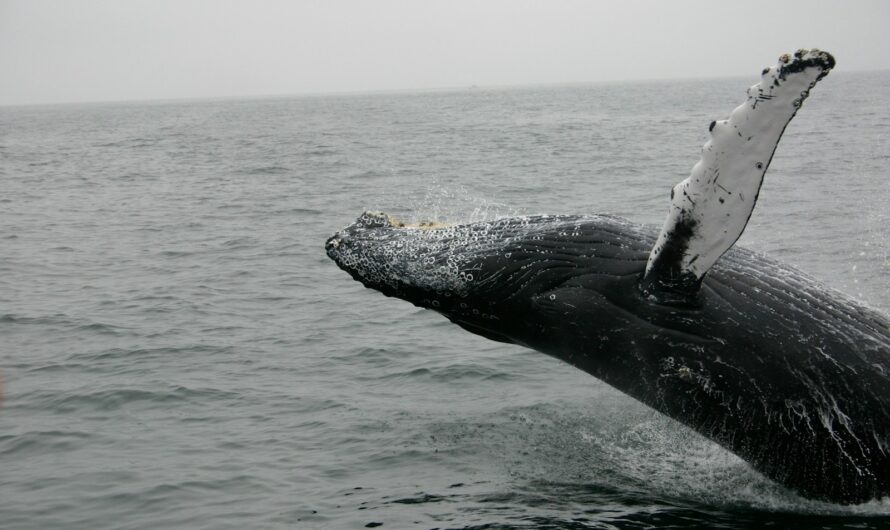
(430,264)
(485,276)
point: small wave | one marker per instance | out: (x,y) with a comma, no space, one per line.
(240,242)
(308,211)
(143,353)
(271,298)
(449,374)
(141,142)
(56,367)
(322,152)
(59,319)
(43,164)
(159,499)
(370,174)
(137,176)
(114,399)
(421,498)
(102,329)
(176,253)
(268,170)
(63,320)
(41,442)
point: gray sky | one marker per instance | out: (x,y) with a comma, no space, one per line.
(102,50)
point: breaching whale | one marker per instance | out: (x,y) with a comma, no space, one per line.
(789,375)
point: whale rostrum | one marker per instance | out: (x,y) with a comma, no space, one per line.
(757,356)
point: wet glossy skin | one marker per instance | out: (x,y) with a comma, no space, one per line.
(764,361)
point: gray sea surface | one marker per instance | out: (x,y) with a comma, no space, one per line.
(179,352)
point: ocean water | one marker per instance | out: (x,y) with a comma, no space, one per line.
(178,351)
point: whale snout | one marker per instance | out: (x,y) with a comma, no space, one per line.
(332,244)
(373,250)
(360,238)
(417,262)
(335,246)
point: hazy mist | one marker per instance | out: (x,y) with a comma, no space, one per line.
(99,50)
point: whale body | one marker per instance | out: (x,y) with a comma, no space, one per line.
(791,376)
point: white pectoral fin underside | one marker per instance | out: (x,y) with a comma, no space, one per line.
(709,210)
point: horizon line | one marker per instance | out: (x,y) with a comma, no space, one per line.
(384,91)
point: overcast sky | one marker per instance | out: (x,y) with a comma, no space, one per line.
(105,50)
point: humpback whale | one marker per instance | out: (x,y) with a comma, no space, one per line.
(762,359)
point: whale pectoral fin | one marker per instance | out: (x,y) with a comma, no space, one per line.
(710,209)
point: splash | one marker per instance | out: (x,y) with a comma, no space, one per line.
(458,205)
